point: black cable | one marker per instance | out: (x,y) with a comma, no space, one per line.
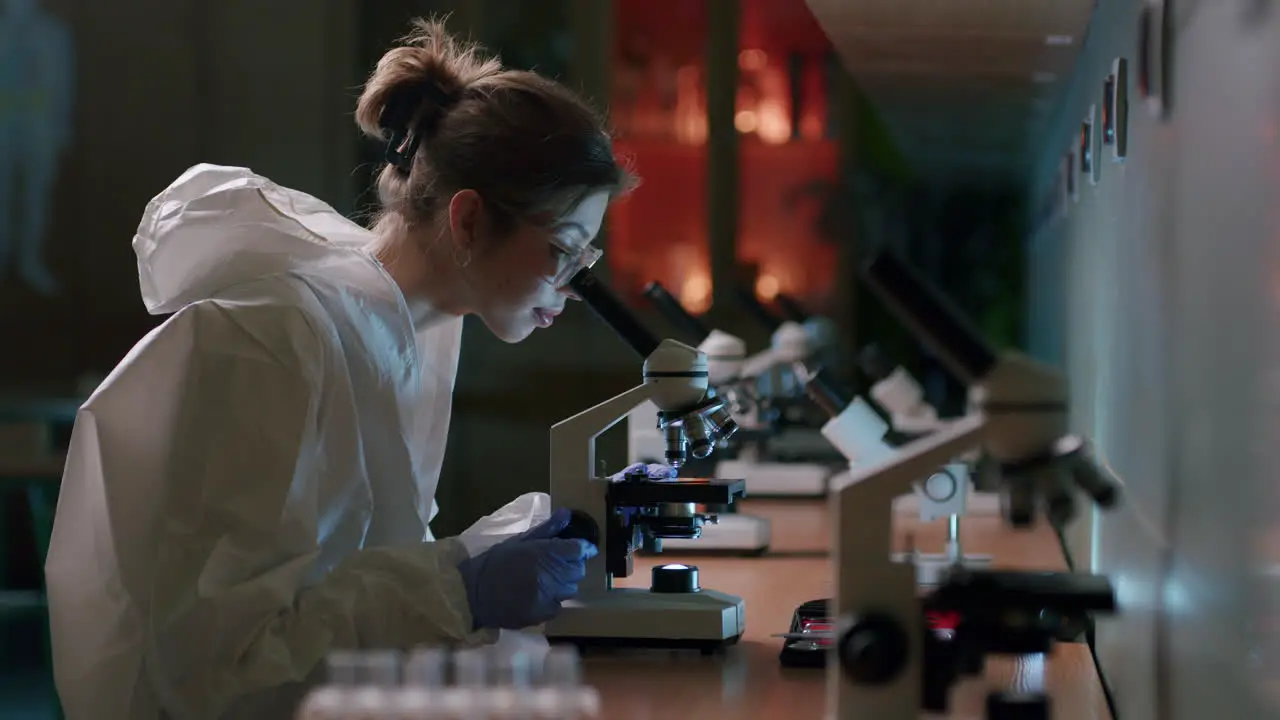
(1090,632)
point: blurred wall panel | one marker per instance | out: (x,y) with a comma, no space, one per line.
(282,83)
(162,85)
(1101,286)
(1156,290)
(1221,622)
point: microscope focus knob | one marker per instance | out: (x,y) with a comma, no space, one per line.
(581,527)
(874,650)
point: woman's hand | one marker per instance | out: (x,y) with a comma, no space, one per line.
(521,581)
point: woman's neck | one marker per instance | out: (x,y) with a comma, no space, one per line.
(433,285)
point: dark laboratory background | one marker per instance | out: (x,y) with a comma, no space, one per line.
(767,169)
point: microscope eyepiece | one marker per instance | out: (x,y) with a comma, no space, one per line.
(821,388)
(754,307)
(613,312)
(666,304)
(931,318)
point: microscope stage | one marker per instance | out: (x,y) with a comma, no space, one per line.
(732,535)
(635,617)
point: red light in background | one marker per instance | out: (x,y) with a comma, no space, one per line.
(942,620)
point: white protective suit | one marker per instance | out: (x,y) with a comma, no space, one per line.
(251,486)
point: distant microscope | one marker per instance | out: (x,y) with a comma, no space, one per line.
(795,337)
(863,435)
(778,452)
(735,533)
(860,434)
(899,399)
(619,517)
(887,661)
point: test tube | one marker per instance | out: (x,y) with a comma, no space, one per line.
(469,696)
(426,667)
(562,667)
(343,668)
(381,668)
(330,700)
(512,669)
(377,678)
(563,696)
(512,677)
(323,703)
(471,668)
(422,697)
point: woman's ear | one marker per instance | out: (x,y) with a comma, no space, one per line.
(466,210)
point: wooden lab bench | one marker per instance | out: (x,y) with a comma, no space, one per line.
(748,682)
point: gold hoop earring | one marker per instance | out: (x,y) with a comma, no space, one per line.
(462,261)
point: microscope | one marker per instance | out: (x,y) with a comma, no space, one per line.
(861,434)
(776,452)
(887,659)
(637,512)
(869,430)
(734,533)
(795,336)
(899,399)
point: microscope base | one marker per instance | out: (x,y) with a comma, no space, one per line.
(706,620)
(930,567)
(774,479)
(732,535)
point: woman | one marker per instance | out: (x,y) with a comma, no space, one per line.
(252,486)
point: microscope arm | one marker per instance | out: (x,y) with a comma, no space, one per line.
(871,590)
(872,487)
(574,474)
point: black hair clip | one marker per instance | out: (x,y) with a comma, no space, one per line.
(401,148)
(397,118)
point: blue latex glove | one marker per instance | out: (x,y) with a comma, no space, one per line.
(651,471)
(521,581)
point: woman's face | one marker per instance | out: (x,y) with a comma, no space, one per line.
(517,279)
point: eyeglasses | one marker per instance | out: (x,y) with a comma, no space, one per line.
(571,258)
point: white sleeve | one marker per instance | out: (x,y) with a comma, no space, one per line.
(232,629)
